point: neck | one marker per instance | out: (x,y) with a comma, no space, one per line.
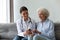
(25,19)
(43,20)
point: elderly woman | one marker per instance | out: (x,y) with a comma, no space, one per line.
(45,28)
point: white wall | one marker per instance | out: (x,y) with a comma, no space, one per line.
(17,5)
(52,5)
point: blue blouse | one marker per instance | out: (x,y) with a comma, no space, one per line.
(47,29)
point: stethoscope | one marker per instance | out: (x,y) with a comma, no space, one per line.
(22,23)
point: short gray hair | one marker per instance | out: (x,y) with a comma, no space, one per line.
(45,11)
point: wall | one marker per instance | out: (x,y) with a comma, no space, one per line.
(52,5)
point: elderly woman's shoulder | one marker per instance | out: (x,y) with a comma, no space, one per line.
(51,21)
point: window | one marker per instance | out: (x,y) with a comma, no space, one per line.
(4,11)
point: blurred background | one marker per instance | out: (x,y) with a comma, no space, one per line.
(10,12)
(53,7)
(9,9)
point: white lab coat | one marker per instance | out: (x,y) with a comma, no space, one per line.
(23,26)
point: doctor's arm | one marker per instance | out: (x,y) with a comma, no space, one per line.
(20,32)
(19,29)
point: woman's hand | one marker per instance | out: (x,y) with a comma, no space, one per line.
(36,31)
(32,34)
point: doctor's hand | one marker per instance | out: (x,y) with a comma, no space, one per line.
(27,32)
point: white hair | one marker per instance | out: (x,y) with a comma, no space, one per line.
(44,10)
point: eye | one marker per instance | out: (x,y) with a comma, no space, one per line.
(23,13)
(26,12)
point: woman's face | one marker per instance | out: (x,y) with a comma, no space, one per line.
(41,15)
(24,14)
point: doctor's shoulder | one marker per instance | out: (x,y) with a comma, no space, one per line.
(18,20)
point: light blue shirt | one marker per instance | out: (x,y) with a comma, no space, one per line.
(24,25)
(47,29)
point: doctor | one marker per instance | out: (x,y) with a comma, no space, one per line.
(45,27)
(24,25)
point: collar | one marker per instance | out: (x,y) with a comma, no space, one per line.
(26,21)
(45,20)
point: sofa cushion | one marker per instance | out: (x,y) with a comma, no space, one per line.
(8,30)
(57,31)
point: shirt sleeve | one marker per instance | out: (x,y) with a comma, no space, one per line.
(51,30)
(19,28)
(50,34)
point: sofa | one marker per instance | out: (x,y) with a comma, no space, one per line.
(57,31)
(8,31)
